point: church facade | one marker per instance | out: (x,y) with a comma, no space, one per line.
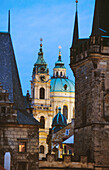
(49,94)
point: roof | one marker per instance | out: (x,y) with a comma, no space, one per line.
(59,84)
(101,17)
(59,119)
(76,31)
(70,140)
(9,76)
(23,117)
(59,64)
(10,81)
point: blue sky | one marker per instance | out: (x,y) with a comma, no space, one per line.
(52,20)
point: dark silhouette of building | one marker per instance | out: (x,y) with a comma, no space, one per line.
(89,61)
(19,135)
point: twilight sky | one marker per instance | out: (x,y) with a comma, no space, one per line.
(52,20)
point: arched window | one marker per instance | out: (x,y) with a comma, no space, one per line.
(65,111)
(42,122)
(42,93)
(61,73)
(41,150)
(56,109)
(7,160)
(33,93)
(56,74)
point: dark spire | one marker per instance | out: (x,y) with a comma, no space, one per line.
(76,32)
(101,17)
(9,21)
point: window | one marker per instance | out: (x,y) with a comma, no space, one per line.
(3,109)
(65,86)
(42,70)
(56,109)
(22,147)
(0,97)
(33,93)
(42,122)
(67,132)
(42,93)
(70,152)
(65,111)
(41,150)
(7,160)
(61,74)
(56,74)
(8,110)
(65,149)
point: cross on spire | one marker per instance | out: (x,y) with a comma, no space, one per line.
(60,52)
(41,42)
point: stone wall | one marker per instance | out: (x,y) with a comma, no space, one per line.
(92,105)
(64,164)
(10,137)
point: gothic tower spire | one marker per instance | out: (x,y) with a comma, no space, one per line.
(100,21)
(9,21)
(76,32)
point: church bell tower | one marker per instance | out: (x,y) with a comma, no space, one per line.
(40,92)
(89,60)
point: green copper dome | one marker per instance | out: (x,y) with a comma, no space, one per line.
(59,121)
(59,84)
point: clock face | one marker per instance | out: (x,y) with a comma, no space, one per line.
(42,78)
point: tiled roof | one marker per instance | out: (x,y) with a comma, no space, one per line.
(10,81)
(9,76)
(26,118)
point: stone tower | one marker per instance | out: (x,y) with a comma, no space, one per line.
(89,60)
(40,92)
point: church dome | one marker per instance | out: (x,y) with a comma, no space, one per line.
(59,120)
(59,84)
(59,81)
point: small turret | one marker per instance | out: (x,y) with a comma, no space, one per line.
(59,69)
